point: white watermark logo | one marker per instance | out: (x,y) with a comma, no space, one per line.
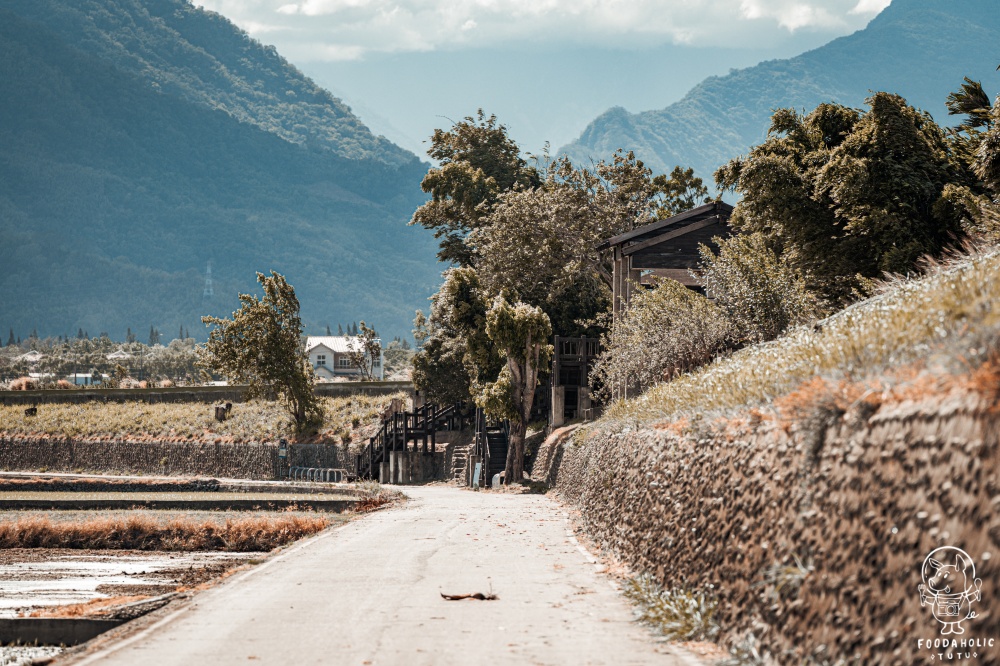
(950,588)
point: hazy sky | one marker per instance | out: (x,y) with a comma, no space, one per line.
(545,67)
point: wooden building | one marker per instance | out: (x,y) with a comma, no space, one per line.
(664,249)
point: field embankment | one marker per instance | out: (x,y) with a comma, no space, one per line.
(803,482)
(175,438)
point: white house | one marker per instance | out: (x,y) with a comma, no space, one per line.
(329,356)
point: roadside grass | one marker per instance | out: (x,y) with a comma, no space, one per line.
(375,496)
(946,319)
(345,420)
(679,615)
(142,532)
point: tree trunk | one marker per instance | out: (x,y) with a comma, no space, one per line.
(525,378)
(515,452)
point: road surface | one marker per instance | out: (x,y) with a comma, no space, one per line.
(369,593)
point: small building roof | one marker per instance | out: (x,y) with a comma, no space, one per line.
(678,225)
(31,357)
(340,344)
(118,355)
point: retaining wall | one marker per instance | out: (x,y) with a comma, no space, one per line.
(811,535)
(226,460)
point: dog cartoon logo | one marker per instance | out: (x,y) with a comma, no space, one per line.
(950,587)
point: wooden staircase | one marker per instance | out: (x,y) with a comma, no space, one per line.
(491,444)
(399,429)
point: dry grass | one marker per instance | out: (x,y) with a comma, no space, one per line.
(346,420)
(375,496)
(253,534)
(87,609)
(679,615)
(946,319)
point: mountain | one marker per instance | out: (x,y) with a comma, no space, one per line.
(920,49)
(142,139)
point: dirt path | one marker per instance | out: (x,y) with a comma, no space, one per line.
(368,593)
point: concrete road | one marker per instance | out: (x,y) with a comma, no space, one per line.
(368,593)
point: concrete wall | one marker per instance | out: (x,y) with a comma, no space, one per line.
(408,467)
(238,461)
(858,498)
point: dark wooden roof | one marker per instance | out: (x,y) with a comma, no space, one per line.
(715,213)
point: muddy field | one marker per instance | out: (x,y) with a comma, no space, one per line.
(35,578)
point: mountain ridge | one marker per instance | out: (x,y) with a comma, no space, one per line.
(918,48)
(115,195)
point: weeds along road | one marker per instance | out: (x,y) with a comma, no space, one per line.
(369,593)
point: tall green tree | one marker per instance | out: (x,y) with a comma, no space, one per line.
(478,161)
(846,195)
(261,346)
(520,334)
(680,191)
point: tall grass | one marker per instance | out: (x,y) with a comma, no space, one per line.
(345,420)
(949,313)
(252,534)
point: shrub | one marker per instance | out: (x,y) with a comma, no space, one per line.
(665,331)
(762,294)
(23,384)
(679,615)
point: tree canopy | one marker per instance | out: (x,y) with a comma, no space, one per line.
(846,195)
(478,161)
(261,346)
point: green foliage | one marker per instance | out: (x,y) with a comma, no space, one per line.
(845,195)
(680,192)
(261,346)
(478,162)
(665,331)
(761,294)
(174,362)
(455,352)
(520,334)
(539,244)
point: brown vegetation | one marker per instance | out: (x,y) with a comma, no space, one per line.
(345,421)
(257,533)
(23,384)
(86,609)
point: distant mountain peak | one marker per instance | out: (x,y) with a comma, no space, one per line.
(920,49)
(201,56)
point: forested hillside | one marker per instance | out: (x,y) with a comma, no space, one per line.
(141,141)
(920,49)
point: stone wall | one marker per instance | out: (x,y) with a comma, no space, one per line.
(237,461)
(224,460)
(812,533)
